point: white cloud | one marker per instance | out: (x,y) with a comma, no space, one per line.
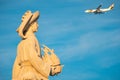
(78,75)
(107,61)
(91,42)
(88,75)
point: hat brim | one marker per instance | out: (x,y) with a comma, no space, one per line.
(34,17)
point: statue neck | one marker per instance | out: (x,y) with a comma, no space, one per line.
(30,33)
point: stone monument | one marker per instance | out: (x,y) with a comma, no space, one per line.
(30,64)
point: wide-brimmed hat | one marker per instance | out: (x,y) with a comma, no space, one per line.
(27,19)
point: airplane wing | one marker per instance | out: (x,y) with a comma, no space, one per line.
(99,7)
(97,10)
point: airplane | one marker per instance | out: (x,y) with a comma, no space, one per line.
(98,10)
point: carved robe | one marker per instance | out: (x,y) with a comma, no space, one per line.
(28,64)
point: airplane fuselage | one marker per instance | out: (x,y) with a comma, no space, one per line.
(100,11)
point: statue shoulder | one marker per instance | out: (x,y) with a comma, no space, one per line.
(27,41)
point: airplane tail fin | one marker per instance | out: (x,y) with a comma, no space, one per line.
(111,6)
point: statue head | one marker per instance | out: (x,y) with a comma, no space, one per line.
(28,20)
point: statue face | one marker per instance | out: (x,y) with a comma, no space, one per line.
(55,70)
(35,26)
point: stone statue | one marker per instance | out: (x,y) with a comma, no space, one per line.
(29,63)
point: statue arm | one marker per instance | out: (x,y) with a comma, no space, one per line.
(36,61)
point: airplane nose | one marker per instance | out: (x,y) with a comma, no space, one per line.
(86,11)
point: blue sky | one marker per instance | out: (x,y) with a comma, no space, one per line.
(88,45)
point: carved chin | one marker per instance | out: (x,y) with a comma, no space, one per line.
(35,31)
(52,73)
